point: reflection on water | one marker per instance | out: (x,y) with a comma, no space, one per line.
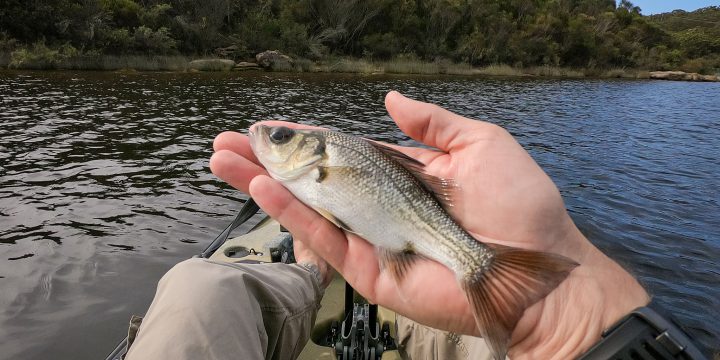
(104,181)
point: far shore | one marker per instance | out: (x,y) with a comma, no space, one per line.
(332,65)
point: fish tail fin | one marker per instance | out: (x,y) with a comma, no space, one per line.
(515,280)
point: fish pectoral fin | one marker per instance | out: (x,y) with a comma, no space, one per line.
(443,189)
(397,262)
(337,173)
(333,219)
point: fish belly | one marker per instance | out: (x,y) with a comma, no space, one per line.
(372,214)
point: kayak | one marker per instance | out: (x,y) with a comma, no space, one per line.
(347,327)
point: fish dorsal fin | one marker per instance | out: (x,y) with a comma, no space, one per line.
(443,189)
(333,219)
(397,262)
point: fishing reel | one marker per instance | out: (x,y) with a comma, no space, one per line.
(359,336)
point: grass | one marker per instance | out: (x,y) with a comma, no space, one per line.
(345,65)
(540,71)
(403,66)
(563,72)
(100,62)
(554,71)
(626,74)
(395,66)
(501,70)
(45,59)
(134,62)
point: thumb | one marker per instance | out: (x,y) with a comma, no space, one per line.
(428,123)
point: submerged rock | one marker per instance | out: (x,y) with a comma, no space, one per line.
(681,76)
(212,65)
(275,60)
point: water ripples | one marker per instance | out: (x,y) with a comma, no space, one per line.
(104,181)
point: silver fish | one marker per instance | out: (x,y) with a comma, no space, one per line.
(386,198)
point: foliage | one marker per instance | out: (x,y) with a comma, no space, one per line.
(695,38)
(39,56)
(542,34)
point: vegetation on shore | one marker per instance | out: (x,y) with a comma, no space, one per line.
(327,65)
(566,38)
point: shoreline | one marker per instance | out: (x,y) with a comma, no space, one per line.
(340,65)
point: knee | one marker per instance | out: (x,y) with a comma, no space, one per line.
(191,278)
(206,281)
(186,271)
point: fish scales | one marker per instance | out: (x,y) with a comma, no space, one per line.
(402,192)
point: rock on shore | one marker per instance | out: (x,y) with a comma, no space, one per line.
(681,76)
(212,65)
(275,60)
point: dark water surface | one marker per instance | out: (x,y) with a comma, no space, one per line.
(104,181)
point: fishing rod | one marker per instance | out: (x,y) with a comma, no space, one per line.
(249,209)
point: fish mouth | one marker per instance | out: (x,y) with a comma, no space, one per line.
(254,128)
(255,134)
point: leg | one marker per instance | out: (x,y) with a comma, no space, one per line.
(210,310)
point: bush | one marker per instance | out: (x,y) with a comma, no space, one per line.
(7,46)
(126,13)
(39,56)
(116,41)
(705,65)
(698,42)
(152,41)
(382,46)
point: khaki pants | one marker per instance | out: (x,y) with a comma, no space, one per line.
(215,310)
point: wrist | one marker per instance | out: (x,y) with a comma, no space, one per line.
(572,318)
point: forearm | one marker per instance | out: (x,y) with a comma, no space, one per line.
(597,294)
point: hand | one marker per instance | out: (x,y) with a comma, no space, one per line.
(503,194)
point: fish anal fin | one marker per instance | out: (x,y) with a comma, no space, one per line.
(515,280)
(398,263)
(333,219)
(443,189)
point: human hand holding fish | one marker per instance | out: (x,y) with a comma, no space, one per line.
(502,200)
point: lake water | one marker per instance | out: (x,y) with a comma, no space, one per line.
(104,181)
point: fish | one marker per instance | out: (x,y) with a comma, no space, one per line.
(386,197)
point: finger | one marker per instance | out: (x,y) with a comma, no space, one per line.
(234,169)
(235,142)
(352,256)
(428,123)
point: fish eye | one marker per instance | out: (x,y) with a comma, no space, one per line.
(281,134)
